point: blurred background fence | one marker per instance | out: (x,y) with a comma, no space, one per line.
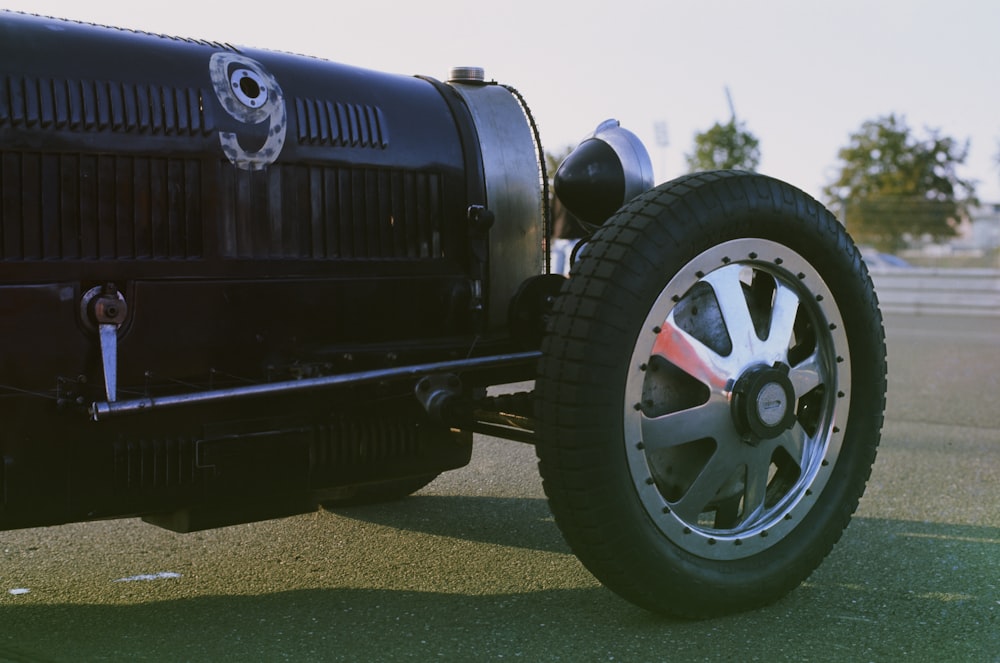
(938,291)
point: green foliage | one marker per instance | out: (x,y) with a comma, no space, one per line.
(553,159)
(725,146)
(893,184)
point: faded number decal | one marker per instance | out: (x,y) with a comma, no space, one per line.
(251,95)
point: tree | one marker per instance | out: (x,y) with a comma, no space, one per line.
(553,159)
(893,184)
(725,146)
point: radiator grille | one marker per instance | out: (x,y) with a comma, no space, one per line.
(91,105)
(341,125)
(357,444)
(85,207)
(154,465)
(164,464)
(323,212)
(71,207)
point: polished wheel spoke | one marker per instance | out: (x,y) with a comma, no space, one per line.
(704,489)
(710,420)
(806,375)
(735,312)
(794,441)
(786,307)
(691,355)
(756,487)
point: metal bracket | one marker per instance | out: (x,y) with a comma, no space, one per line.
(435,392)
(480,221)
(105,309)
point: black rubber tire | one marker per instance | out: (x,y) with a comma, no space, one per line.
(641,513)
(376,493)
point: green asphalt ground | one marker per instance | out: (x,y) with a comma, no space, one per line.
(473,567)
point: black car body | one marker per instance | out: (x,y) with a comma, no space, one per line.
(259,218)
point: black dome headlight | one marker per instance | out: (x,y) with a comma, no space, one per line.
(606,170)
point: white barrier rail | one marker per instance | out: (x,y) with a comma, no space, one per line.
(938,291)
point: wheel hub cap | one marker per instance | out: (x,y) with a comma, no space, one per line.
(763,401)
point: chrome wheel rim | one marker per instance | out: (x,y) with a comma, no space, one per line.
(734,401)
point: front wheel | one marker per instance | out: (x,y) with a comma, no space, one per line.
(711,394)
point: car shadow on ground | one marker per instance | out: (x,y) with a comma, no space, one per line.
(506,521)
(890,589)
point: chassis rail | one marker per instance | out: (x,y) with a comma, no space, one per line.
(103,410)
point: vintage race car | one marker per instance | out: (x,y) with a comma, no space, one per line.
(238,285)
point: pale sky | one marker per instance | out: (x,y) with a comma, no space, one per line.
(803,75)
